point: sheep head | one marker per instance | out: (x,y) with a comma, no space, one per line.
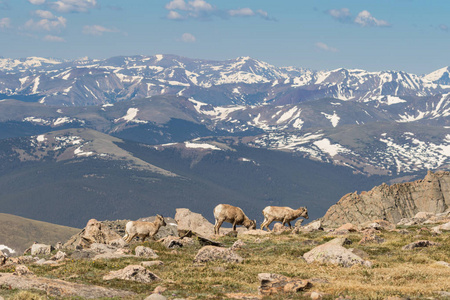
(250,224)
(161,220)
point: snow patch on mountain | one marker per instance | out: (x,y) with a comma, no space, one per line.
(334,118)
(332,149)
(201,146)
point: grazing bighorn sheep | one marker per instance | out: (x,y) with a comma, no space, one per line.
(233,215)
(283,214)
(143,229)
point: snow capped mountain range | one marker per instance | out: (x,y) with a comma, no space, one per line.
(385,123)
(237,81)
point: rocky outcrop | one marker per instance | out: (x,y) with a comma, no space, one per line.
(59,288)
(333,252)
(94,232)
(393,203)
(188,220)
(213,253)
(272,284)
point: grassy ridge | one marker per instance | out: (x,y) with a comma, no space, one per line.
(395,272)
(19,233)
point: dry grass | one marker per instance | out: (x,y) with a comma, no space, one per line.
(395,272)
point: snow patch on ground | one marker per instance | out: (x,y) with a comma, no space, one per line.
(334,118)
(332,149)
(200,146)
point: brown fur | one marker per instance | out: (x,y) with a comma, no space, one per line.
(233,215)
(143,229)
(282,214)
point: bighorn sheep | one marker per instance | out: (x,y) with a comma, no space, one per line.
(283,214)
(143,229)
(233,215)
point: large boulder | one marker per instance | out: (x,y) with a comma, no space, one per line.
(272,284)
(188,220)
(94,232)
(212,253)
(393,202)
(58,289)
(333,252)
(41,249)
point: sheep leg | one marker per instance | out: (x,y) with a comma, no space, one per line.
(269,221)
(263,223)
(130,237)
(234,226)
(217,226)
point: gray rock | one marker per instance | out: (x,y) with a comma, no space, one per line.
(313,226)
(59,288)
(22,270)
(419,244)
(333,252)
(443,263)
(238,245)
(60,255)
(195,222)
(41,249)
(132,273)
(102,248)
(442,227)
(156,297)
(392,202)
(147,252)
(212,253)
(152,263)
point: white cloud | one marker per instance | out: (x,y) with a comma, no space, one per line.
(5,23)
(242,12)
(55,24)
(201,9)
(200,5)
(173,15)
(443,27)
(325,47)
(37,2)
(53,38)
(73,5)
(97,30)
(188,38)
(342,15)
(44,14)
(177,4)
(365,19)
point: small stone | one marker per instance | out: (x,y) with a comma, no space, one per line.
(212,253)
(22,270)
(159,289)
(41,249)
(349,226)
(132,273)
(443,263)
(142,251)
(152,263)
(316,296)
(419,244)
(156,297)
(60,255)
(238,245)
(232,233)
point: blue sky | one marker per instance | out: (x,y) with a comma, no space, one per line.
(375,35)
